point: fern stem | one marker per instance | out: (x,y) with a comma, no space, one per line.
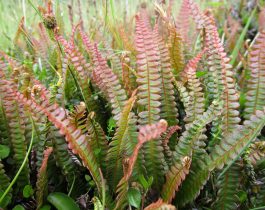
(72,186)
(22,165)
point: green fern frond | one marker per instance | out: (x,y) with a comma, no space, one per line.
(235,143)
(123,141)
(228,184)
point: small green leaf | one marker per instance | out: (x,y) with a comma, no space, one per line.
(18,207)
(62,201)
(28,191)
(143,182)
(200,74)
(4,151)
(134,197)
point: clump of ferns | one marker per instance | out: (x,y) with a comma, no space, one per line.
(171,127)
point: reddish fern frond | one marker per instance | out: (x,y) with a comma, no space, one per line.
(72,37)
(183,21)
(160,205)
(179,171)
(77,142)
(108,82)
(89,47)
(169,111)
(221,76)
(170,131)
(146,133)
(42,179)
(255,99)
(82,69)
(149,93)
(229,94)
(148,68)
(194,86)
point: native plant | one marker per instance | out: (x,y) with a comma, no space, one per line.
(138,129)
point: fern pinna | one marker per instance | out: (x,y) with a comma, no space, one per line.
(150,124)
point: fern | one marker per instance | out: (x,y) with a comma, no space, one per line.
(149,80)
(16,130)
(77,142)
(123,141)
(234,144)
(228,185)
(42,181)
(179,172)
(184,149)
(255,87)
(146,133)
(4,182)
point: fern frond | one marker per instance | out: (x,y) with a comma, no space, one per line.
(16,129)
(197,102)
(122,142)
(4,183)
(146,133)
(98,140)
(178,172)
(82,71)
(108,82)
(165,143)
(42,180)
(188,143)
(235,143)
(149,91)
(257,152)
(169,111)
(183,21)
(228,184)
(195,180)
(77,142)
(255,99)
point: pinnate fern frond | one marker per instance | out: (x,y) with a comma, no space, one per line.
(42,180)
(108,82)
(146,133)
(255,99)
(257,152)
(179,172)
(77,142)
(169,111)
(227,189)
(149,91)
(122,144)
(235,143)
(197,101)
